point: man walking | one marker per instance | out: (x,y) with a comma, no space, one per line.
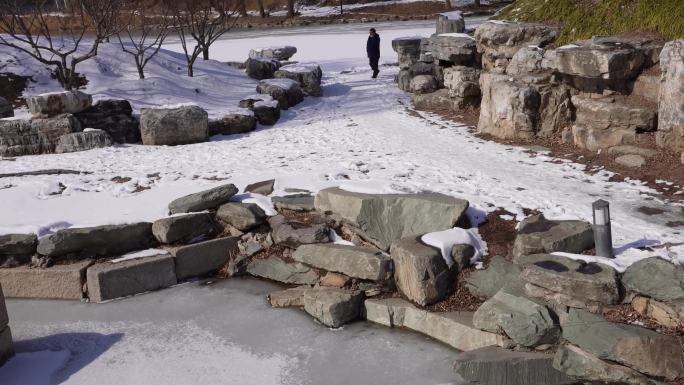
(373,51)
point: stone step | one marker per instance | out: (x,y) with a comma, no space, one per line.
(354,261)
(114,280)
(56,282)
(333,307)
(204,258)
(455,329)
(293,297)
(278,270)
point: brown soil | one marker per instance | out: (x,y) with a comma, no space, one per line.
(627,315)
(499,234)
(461,299)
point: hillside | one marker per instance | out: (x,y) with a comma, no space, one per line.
(581,19)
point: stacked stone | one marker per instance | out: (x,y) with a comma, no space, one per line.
(6,345)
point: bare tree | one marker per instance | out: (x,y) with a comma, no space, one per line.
(144,36)
(242,7)
(204,22)
(262,12)
(290,8)
(59,41)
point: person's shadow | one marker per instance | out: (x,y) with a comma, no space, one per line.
(52,360)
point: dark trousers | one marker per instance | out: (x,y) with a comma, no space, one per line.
(374,63)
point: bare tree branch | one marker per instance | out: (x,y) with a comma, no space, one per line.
(144,36)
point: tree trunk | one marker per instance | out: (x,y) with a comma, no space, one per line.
(190,71)
(242,8)
(205,53)
(262,12)
(290,8)
(477,3)
(341,11)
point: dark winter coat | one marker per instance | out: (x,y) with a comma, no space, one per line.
(373,46)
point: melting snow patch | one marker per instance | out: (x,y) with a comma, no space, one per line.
(262,201)
(447,239)
(338,240)
(140,254)
(624,259)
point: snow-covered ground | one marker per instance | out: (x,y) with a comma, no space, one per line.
(359,135)
(322,11)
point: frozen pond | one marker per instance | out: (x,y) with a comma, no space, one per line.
(223,333)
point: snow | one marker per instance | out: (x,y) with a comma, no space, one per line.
(262,201)
(453,15)
(568,46)
(300,67)
(337,239)
(447,239)
(456,34)
(139,254)
(22,369)
(624,258)
(281,83)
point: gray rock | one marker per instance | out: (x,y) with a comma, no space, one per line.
(537,235)
(668,287)
(6,345)
(66,102)
(647,86)
(526,322)
(260,69)
(509,107)
(581,365)
(82,141)
(55,282)
(526,61)
(455,329)
(403,80)
(307,75)
(232,124)
(293,297)
(438,100)
(99,241)
(183,228)
(36,136)
(173,126)
(600,58)
(408,50)
(499,274)
(641,349)
(266,110)
(670,109)
(494,365)
(633,150)
(203,258)
(113,116)
(384,218)
(114,280)
(353,261)
(423,84)
(420,271)
(631,160)
(242,216)
(297,202)
(498,41)
(462,255)
(262,188)
(462,82)
(586,283)
(203,200)
(286,91)
(276,269)
(670,315)
(277,53)
(6,108)
(333,307)
(17,249)
(456,48)
(450,22)
(294,234)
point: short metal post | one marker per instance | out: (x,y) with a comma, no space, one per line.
(603,238)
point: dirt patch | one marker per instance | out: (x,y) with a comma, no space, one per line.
(499,234)
(627,315)
(12,88)
(121,179)
(461,299)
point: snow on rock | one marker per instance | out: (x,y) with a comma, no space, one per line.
(337,239)
(447,239)
(140,254)
(456,34)
(262,201)
(625,257)
(286,84)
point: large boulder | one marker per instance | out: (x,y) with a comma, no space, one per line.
(526,322)
(82,141)
(36,136)
(438,100)
(17,249)
(353,261)
(266,109)
(499,274)
(203,200)
(607,122)
(639,348)
(6,108)
(671,101)
(183,228)
(569,282)
(286,91)
(384,218)
(498,41)
(423,84)
(114,116)
(408,49)
(100,241)
(231,124)
(538,235)
(294,234)
(308,75)
(420,271)
(462,82)
(333,307)
(52,104)
(526,61)
(456,48)
(450,22)
(276,53)
(173,126)
(242,216)
(669,285)
(258,68)
(278,270)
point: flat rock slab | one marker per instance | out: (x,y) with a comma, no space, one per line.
(586,282)
(455,329)
(669,285)
(232,124)
(333,307)
(297,202)
(293,297)
(264,187)
(6,345)
(242,216)
(56,282)
(581,365)
(497,366)
(286,91)
(278,270)
(59,103)
(385,218)
(500,273)
(105,241)
(203,200)
(36,136)
(114,280)
(277,53)
(354,261)
(82,141)
(204,258)
(294,234)
(537,235)
(420,271)
(641,349)
(183,228)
